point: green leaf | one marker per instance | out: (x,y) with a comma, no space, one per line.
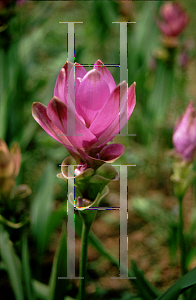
(5,93)
(26,271)
(28,134)
(108,171)
(41,209)
(41,290)
(162,92)
(55,219)
(179,287)
(191,293)
(96,186)
(58,287)
(145,289)
(12,264)
(82,180)
(104,174)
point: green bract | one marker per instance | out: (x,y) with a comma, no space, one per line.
(90,185)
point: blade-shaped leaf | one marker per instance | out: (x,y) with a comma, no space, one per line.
(191,293)
(26,271)
(12,264)
(179,287)
(41,290)
(41,208)
(145,289)
(58,287)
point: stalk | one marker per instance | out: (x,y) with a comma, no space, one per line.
(181,238)
(83,261)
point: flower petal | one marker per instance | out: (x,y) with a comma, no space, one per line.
(113,129)
(57,112)
(99,66)
(126,109)
(107,155)
(61,88)
(109,112)
(189,152)
(92,94)
(40,115)
(6,161)
(76,74)
(128,106)
(16,153)
(111,152)
(181,136)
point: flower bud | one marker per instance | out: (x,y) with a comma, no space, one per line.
(9,166)
(173,19)
(184,136)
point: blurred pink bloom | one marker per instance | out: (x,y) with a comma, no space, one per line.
(96,112)
(4,4)
(19,2)
(173,19)
(184,136)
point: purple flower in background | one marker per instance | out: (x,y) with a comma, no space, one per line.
(8,3)
(173,19)
(19,2)
(96,112)
(184,136)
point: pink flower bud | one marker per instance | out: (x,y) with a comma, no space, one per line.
(184,136)
(9,160)
(173,19)
(9,167)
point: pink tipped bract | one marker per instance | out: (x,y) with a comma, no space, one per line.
(94,104)
(173,19)
(184,136)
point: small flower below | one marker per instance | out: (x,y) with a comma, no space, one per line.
(83,202)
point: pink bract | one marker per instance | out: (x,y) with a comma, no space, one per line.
(173,19)
(184,136)
(96,112)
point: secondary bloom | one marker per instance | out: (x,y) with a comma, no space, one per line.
(173,19)
(93,103)
(9,166)
(184,136)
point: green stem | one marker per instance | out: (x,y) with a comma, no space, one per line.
(83,261)
(181,238)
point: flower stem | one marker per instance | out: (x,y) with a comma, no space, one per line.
(181,238)
(83,261)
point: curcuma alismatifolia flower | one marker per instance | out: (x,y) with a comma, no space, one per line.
(173,19)
(10,161)
(9,166)
(184,136)
(94,104)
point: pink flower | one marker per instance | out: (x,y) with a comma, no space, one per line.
(19,2)
(184,136)
(96,112)
(174,19)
